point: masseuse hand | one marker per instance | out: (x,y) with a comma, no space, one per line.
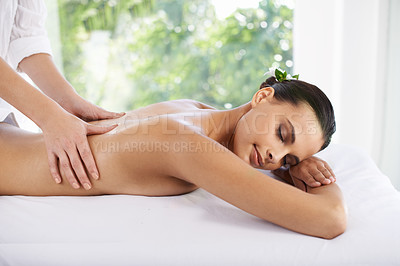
(312,171)
(66,141)
(87,111)
(64,133)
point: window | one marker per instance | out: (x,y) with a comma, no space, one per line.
(123,55)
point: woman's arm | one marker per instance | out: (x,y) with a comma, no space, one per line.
(320,212)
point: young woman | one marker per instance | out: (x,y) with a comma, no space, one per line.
(175,147)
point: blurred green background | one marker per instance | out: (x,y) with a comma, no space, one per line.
(126,54)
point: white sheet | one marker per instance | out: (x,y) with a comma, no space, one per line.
(7,116)
(200,229)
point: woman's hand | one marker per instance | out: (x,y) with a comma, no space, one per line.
(312,171)
(285,175)
(68,150)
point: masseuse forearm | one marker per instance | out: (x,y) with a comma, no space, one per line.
(15,90)
(44,73)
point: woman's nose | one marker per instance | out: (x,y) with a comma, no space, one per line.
(270,157)
(273,157)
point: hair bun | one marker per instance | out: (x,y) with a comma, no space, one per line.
(268,82)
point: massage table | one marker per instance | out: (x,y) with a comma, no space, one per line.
(200,229)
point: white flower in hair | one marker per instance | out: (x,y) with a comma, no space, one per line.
(271,71)
(280,75)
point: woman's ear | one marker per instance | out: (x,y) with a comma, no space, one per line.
(263,95)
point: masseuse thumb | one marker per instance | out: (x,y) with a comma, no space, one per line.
(93,129)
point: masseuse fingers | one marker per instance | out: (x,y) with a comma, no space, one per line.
(78,168)
(53,165)
(103,114)
(93,129)
(67,170)
(87,158)
(84,148)
(63,175)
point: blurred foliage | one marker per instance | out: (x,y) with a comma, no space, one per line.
(127,54)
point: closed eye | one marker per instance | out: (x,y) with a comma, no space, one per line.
(280,133)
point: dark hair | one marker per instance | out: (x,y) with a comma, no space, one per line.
(296,91)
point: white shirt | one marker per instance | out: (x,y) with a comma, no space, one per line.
(22,30)
(22,34)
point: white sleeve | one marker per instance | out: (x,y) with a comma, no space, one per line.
(28,34)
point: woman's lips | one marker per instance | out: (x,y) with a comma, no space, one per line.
(259,158)
(256,159)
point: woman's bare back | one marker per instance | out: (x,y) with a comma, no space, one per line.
(24,168)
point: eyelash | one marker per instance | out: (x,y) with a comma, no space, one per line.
(284,163)
(280,133)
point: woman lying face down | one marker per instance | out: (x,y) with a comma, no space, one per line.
(175,147)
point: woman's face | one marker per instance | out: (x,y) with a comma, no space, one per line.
(275,133)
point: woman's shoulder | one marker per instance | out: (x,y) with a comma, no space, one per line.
(168,107)
(174,106)
(201,105)
(157,109)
